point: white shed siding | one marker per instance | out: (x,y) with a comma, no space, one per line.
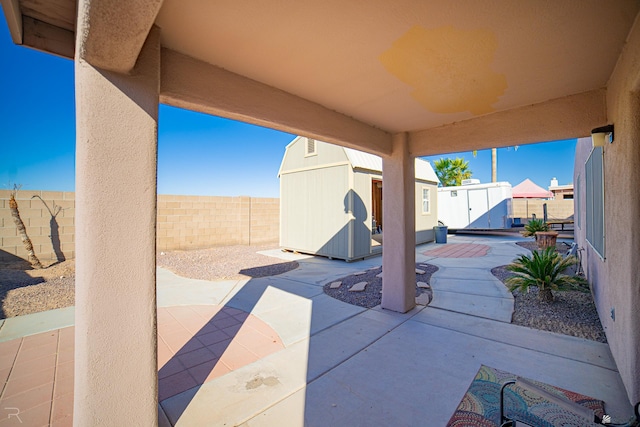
(314,212)
(326,200)
(362,214)
(426,221)
(295,158)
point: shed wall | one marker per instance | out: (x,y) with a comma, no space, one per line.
(313,211)
(426,221)
(326,154)
(362,213)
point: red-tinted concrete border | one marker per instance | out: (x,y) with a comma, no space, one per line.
(459,250)
(195,344)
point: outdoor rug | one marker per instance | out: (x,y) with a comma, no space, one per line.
(480,406)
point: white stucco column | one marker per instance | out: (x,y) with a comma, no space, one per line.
(398,207)
(116,158)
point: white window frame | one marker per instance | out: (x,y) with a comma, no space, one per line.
(427,199)
(310,142)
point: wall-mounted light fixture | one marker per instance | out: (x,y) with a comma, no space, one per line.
(602,134)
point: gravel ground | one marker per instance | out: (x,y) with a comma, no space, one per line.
(224,263)
(25,291)
(572,313)
(372,296)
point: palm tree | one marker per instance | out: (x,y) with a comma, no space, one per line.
(544,270)
(451,172)
(22,231)
(494,165)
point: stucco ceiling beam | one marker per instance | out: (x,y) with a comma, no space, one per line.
(110,33)
(195,85)
(562,118)
(13,16)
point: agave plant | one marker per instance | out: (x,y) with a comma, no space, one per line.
(544,270)
(534,226)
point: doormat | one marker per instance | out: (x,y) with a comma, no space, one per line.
(480,406)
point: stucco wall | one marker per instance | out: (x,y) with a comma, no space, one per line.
(184,222)
(556,209)
(616,279)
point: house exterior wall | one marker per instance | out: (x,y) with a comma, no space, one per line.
(183,222)
(616,279)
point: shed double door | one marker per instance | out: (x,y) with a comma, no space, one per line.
(376,202)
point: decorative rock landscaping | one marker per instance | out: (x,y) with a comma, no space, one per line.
(371,283)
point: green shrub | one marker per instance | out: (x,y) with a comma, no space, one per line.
(534,226)
(544,270)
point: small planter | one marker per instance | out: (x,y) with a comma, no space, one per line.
(546,239)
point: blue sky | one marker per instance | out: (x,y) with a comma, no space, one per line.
(197,154)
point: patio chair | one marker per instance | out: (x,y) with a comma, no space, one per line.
(574,250)
(581,411)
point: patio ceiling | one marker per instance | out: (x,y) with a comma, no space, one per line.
(456,75)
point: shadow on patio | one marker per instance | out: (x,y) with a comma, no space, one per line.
(278,351)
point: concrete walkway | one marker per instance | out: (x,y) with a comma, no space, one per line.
(464,283)
(343,365)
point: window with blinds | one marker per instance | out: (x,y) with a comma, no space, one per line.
(594,184)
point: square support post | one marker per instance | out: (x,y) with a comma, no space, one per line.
(116,159)
(399,249)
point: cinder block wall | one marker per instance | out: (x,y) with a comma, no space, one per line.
(265,221)
(556,209)
(184,222)
(49,223)
(191,222)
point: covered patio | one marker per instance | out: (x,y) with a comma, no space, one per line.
(396,79)
(279,351)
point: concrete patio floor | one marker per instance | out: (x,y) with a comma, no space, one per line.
(278,351)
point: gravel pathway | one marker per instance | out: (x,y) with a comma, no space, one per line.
(372,295)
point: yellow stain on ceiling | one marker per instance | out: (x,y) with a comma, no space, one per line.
(449,69)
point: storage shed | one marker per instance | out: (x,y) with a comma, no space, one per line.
(475,205)
(331,200)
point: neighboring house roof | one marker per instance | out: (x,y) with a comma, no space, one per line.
(529,189)
(561,187)
(362,160)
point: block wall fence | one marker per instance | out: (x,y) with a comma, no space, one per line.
(556,209)
(184,222)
